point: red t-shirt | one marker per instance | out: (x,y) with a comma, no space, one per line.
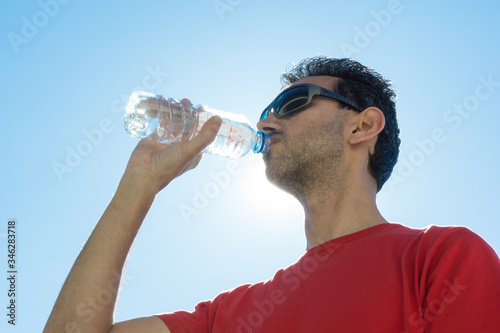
(387,278)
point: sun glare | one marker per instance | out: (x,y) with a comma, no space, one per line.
(270,200)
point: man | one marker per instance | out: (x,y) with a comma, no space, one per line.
(335,141)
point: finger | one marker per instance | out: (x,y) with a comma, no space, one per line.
(206,135)
(193,163)
(184,152)
(190,165)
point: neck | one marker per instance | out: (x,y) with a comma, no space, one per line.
(330,214)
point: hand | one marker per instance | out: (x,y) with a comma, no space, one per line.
(153,165)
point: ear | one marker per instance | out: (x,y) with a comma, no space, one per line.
(368,124)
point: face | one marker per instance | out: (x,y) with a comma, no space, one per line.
(307,147)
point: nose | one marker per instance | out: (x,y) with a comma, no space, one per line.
(270,124)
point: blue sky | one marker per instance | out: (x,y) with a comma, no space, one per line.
(69,67)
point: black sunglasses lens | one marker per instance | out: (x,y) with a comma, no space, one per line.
(291,100)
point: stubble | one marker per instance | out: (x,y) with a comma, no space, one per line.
(311,163)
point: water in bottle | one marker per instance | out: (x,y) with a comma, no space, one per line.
(167,120)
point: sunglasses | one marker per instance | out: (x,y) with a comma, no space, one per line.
(299,96)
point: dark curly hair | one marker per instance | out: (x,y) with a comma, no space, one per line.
(366,88)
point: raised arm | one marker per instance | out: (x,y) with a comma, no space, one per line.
(152,166)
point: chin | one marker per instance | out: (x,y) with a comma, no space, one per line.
(267,158)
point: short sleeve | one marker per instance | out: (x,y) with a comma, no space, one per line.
(199,321)
(462,285)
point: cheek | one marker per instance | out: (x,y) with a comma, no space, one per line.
(313,126)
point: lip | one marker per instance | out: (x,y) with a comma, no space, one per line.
(274,140)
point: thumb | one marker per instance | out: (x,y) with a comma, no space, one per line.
(207,134)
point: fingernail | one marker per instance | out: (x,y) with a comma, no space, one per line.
(216,122)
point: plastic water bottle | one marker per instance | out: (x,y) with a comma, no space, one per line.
(166,120)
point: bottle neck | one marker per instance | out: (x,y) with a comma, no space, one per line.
(262,144)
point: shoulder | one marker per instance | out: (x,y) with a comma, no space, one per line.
(433,236)
(454,237)
(438,247)
(455,251)
(457,268)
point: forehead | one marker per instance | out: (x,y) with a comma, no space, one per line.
(324,81)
